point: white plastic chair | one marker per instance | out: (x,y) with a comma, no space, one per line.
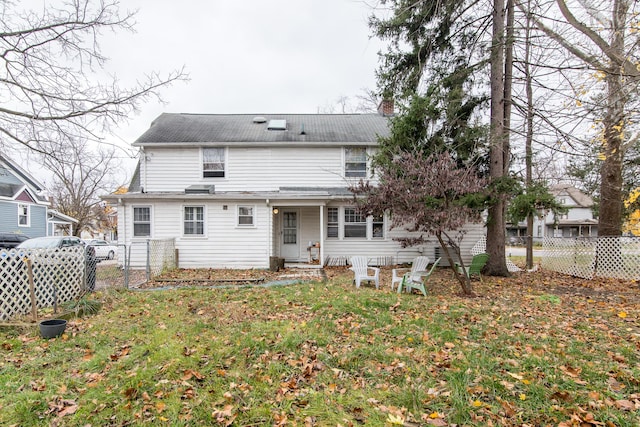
(419,264)
(362,271)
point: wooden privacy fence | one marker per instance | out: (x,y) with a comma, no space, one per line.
(38,278)
(610,257)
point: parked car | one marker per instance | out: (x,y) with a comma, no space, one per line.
(104,249)
(11,240)
(62,242)
(51,242)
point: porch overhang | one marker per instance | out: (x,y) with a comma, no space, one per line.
(295,195)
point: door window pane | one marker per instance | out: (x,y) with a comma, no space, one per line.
(290,228)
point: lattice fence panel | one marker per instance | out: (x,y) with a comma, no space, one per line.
(59,275)
(612,257)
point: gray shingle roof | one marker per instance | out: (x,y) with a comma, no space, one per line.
(240,128)
(581,199)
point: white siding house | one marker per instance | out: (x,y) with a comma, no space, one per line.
(236,190)
(577,222)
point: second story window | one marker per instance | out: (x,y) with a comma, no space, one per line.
(355,162)
(213,162)
(23,216)
(142,221)
(194,221)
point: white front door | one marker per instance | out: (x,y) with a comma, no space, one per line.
(290,245)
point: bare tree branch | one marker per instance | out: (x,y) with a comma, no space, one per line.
(51,74)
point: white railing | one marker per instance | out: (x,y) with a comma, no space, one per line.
(611,257)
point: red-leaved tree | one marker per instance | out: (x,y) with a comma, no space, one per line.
(430,196)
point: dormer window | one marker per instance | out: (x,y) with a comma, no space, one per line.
(213,160)
(355,162)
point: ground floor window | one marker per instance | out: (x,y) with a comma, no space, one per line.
(349,223)
(246,216)
(355,224)
(377,226)
(333,223)
(194,220)
(141,221)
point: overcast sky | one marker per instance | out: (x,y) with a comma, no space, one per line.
(276,56)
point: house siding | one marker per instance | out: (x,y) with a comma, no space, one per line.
(9,222)
(280,171)
(258,169)
(391,249)
(224,244)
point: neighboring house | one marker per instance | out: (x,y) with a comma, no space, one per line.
(60,224)
(577,222)
(235,190)
(23,208)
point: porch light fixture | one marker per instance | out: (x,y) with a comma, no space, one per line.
(275,211)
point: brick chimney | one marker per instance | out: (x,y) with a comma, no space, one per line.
(385,108)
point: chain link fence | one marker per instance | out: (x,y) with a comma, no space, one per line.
(40,278)
(589,257)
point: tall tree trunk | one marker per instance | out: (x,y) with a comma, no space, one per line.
(497,266)
(610,220)
(508,83)
(529,132)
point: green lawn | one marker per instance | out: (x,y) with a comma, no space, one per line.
(532,350)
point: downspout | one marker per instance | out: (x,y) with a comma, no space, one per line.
(321,240)
(124,222)
(269,231)
(143,185)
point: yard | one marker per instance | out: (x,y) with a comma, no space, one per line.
(532,350)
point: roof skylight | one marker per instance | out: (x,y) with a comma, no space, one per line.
(277,124)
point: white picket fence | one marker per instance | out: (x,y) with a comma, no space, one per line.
(607,257)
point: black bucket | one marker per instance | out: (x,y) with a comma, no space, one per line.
(52,328)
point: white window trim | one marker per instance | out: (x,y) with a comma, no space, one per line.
(344,162)
(225,170)
(369,222)
(28,214)
(337,223)
(204,222)
(254,216)
(344,224)
(370,228)
(133,207)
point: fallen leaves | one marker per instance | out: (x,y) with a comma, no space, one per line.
(62,407)
(514,356)
(120,353)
